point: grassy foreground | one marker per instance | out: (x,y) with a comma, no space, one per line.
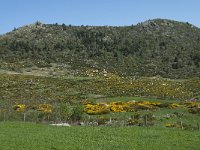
(23,136)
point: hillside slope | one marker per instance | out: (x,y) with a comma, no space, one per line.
(155,47)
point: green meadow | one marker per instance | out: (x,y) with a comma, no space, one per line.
(31,136)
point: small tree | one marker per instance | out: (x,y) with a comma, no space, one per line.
(65,111)
(38,23)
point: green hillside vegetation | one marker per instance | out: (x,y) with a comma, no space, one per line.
(98,99)
(26,88)
(155,47)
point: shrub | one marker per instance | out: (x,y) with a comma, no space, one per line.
(77,112)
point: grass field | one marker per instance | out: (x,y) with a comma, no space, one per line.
(29,136)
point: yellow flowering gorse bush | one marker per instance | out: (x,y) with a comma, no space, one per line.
(19,107)
(46,108)
(132,106)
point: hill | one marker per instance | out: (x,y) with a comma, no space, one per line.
(155,47)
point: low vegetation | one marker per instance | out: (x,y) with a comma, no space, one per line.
(93,101)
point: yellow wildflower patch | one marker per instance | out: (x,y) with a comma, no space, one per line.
(94,109)
(19,107)
(102,108)
(192,104)
(174,105)
(47,108)
(170,125)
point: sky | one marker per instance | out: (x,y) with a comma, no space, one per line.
(17,13)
